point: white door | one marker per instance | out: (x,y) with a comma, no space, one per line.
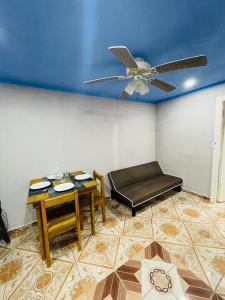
(221,183)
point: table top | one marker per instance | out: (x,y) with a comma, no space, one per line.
(87,187)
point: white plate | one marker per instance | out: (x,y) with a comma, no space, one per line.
(40,185)
(63,187)
(82,177)
(52,177)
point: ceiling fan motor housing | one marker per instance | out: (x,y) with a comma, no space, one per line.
(144,68)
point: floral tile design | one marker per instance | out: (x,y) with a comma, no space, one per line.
(192,213)
(43,282)
(171,231)
(140,227)
(213,263)
(205,234)
(81,281)
(131,248)
(184,257)
(217,214)
(14,267)
(164,209)
(100,250)
(113,225)
(153,279)
(183,198)
(191,246)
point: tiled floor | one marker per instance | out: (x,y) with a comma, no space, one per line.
(189,228)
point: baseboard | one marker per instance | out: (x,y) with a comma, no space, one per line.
(22,226)
(196,194)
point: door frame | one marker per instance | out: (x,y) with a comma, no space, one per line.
(217,147)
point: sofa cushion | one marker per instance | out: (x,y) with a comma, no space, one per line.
(132,175)
(149,188)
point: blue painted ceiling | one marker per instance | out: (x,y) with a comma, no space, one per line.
(57,44)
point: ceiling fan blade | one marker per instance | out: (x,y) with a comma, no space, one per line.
(105,79)
(124,56)
(123,94)
(195,61)
(161,84)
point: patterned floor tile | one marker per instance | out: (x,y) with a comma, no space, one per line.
(140,227)
(43,282)
(113,225)
(131,248)
(164,209)
(217,214)
(221,227)
(18,235)
(184,257)
(221,288)
(14,267)
(203,234)
(192,213)
(213,263)
(189,245)
(171,231)
(31,242)
(64,247)
(124,283)
(100,250)
(3,252)
(183,198)
(81,281)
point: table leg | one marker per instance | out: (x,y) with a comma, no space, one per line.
(92,213)
(40,231)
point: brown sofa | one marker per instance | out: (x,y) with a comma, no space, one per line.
(139,184)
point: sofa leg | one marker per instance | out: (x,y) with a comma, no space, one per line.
(178,188)
(133,211)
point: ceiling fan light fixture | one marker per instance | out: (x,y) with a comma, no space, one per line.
(189,83)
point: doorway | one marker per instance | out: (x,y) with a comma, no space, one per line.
(218,168)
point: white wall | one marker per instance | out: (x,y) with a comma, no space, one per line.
(44,131)
(184,136)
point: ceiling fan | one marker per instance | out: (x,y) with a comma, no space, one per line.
(139,71)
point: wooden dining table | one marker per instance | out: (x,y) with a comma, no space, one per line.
(86,187)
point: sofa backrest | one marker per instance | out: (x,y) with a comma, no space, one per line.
(132,175)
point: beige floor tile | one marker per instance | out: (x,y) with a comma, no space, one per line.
(184,257)
(64,247)
(113,225)
(213,263)
(221,288)
(217,214)
(18,235)
(164,209)
(14,267)
(81,281)
(203,234)
(31,242)
(100,250)
(3,252)
(183,198)
(139,227)
(131,248)
(221,227)
(42,282)
(192,213)
(171,231)
(145,211)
